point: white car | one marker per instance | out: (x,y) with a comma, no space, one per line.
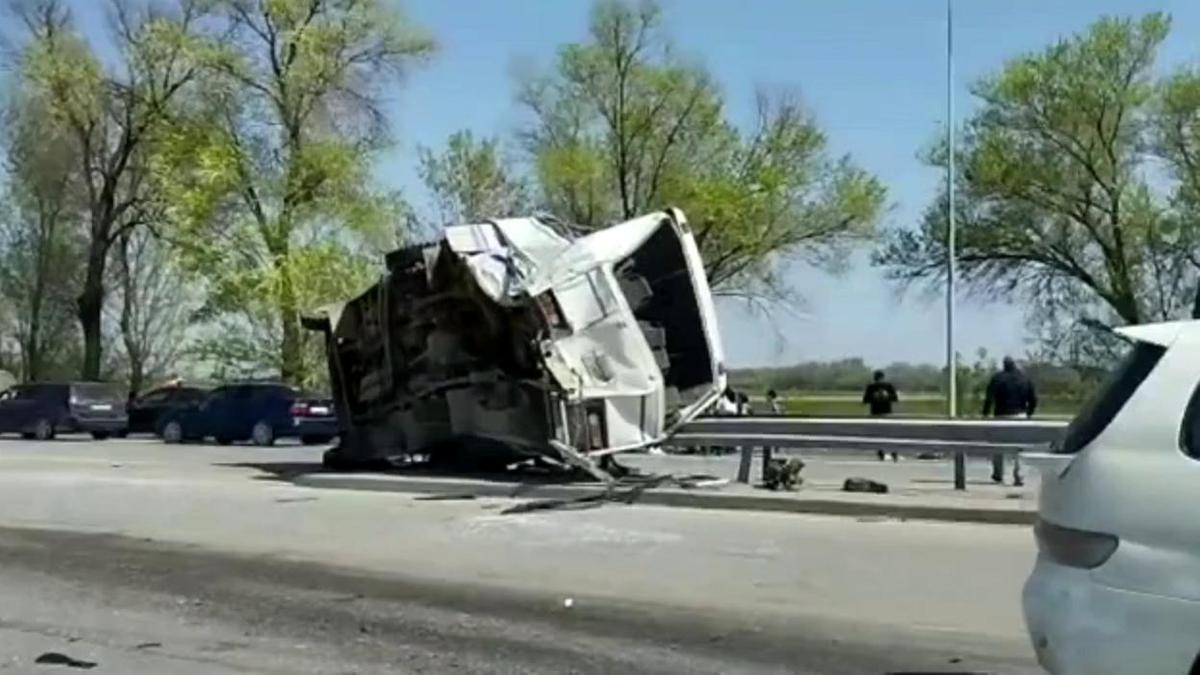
(1116,586)
(515,338)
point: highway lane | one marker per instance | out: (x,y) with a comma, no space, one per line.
(240,572)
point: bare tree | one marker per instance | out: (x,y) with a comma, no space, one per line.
(151,306)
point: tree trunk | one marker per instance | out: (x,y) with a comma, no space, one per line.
(90,306)
(291,356)
(1196,303)
(33,345)
(33,351)
(129,303)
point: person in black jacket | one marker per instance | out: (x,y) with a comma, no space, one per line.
(1010,395)
(881,395)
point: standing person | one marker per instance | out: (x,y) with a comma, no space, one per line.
(1010,395)
(881,395)
(774,407)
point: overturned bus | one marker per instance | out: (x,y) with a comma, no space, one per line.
(512,340)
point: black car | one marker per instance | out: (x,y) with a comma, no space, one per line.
(260,412)
(146,410)
(42,410)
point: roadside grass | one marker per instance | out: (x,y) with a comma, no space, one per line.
(849,404)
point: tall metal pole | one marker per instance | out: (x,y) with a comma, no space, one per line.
(960,462)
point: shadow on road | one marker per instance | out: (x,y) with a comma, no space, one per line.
(277,471)
(288,471)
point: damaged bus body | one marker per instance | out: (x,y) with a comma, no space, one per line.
(511,340)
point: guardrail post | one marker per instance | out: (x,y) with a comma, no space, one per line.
(960,471)
(744,467)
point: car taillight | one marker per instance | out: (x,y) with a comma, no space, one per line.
(1074,548)
(299,409)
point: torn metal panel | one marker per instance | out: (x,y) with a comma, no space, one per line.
(513,338)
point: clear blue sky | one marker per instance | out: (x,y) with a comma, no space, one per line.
(873,72)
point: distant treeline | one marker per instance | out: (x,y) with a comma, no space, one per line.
(852,374)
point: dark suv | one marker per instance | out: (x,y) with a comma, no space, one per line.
(42,410)
(260,412)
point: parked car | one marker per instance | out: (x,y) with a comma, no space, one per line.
(260,412)
(43,410)
(1116,586)
(146,411)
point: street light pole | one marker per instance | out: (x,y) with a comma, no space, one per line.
(960,462)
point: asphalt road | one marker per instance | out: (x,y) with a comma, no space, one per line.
(140,557)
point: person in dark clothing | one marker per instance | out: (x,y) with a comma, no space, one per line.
(1010,395)
(880,395)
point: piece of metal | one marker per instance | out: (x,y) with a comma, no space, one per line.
(747,460)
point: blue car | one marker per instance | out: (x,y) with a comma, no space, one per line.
(258,412)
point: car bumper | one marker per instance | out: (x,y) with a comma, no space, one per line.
(312,427)
(1079,626)
(109,425)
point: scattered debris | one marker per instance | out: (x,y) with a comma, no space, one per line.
(783,474)
(569,603)
(635,485)
(147,645)
(551,504)
(57,659)
(864,485)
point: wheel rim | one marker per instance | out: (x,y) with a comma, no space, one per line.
(262,434)
(43,430)
(172,433)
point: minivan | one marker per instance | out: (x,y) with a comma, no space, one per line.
(42,410)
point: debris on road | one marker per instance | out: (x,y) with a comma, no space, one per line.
(636,485)
(864,485)
(783,474)
(516,339)
(57,659)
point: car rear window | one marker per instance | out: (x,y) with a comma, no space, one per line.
(96,391)
(1112,395)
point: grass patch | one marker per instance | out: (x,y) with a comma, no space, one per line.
(846,404)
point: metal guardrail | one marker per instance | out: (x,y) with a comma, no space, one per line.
(971,432)
(965,437)
(847,443)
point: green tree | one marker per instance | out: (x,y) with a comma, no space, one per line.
(623,125)
(1176,139)
(269,171)
(471,181)
(109,113)
(39,245)
(1054,201)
